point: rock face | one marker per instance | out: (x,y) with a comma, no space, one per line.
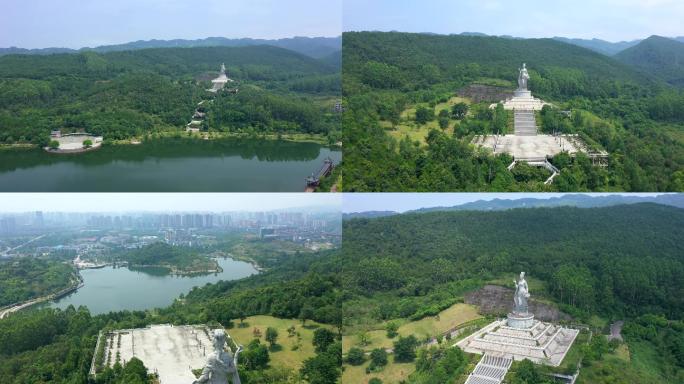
(496,300)
(479,93)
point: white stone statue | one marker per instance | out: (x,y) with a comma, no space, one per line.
(221,363)
(523,76)
(223,68)
(521,295)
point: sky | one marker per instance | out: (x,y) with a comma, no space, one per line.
(402,202)
(156,202)
(90,23)
(612,20)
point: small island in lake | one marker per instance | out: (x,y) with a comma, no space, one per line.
(178,260)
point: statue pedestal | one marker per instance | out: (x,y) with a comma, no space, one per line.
(520,320)
(523,94)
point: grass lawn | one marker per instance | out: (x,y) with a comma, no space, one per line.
(430,326)
(408,127)
(285,357)
(638,363)
(392,373)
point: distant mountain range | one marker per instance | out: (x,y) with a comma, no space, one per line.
(659,56)
(316,47)
(574,200)
(607,48)
(600,46)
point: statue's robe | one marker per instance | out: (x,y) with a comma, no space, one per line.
(217,369)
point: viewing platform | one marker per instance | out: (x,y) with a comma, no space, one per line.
(170,351)
(73,142)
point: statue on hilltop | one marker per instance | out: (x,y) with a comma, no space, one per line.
(523,77)
(221,363)
(521,295)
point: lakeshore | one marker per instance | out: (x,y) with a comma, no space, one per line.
(77,283)
(220,164)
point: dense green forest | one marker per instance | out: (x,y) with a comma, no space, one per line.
(22,279)
(633,116)
(135,93)
(57,346)
(619,262)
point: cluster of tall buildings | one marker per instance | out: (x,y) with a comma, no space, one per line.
(32,221)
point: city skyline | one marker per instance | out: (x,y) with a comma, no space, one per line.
(165,202)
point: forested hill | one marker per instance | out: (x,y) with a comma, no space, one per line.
(121,95)
(621,260)
(316,47)
(255,62)
(659,56)
(413,60)
(390,77)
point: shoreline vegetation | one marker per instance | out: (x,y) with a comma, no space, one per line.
(79,283)
(76,282)
(210,135)
(173,270)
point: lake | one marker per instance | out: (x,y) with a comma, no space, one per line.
(168,165)
(115,289)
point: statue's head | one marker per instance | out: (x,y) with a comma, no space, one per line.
(523,65)
(219,339)
(522,275)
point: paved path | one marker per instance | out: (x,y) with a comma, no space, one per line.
(490,370)
(17,307)
(5,312)
(524,123)
(21,245)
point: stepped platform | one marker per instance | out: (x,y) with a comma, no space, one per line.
(522,100)
(542,343)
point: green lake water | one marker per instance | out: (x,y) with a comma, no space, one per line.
(168,165)
(116,289)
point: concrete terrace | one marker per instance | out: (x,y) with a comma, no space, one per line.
(171,351)
(530,146)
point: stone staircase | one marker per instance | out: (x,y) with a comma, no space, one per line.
(524,123)
(490,370)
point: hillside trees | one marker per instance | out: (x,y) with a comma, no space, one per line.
(614,108)
(133,93)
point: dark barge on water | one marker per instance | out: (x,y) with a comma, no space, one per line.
(315,179)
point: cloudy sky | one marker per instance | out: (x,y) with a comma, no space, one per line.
(214,202)
(79,23)
(612,20)
(401,202)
